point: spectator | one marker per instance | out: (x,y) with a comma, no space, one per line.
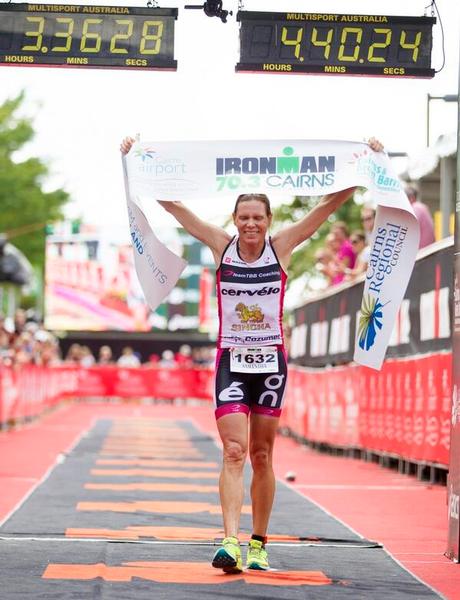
(422,212)
(183,358)
(325,264)
(362,250)
(25,342)
(19,320)
(204,356)
(167,359)
(368,220)
(346,256)
(47,354)
(153,361)
(6,352)
(105,355)
(128,358)
(74,354)
(87,359)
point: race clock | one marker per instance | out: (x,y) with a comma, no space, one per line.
(334,43)
(87,36)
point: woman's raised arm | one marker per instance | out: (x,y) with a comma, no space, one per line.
(212,236)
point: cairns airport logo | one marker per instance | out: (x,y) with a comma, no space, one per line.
(286,170)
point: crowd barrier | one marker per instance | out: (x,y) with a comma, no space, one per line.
(28,391)
(403,410)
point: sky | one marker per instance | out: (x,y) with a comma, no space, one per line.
(81,115)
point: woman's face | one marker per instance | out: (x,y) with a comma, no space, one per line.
(252,221)
(357,243)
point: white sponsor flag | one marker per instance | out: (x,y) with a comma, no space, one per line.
(157,268)
(215,170)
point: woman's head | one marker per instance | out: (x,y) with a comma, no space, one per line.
(252,217)
(358,240)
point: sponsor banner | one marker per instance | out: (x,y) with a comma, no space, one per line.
(215,170)
(453,482)
(28,391)
(324,327)
(402,410)
(90,285)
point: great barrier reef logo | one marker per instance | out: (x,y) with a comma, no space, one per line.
(370,321)
(367,166)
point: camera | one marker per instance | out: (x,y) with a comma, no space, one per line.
(212,8)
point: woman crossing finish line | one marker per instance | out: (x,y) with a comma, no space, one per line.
(251,365)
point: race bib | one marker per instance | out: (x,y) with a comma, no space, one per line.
(254,360)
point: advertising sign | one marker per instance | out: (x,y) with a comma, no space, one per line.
(91,285)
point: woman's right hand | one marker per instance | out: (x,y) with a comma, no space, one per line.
(126,145)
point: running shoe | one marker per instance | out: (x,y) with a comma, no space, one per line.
(228,557)
(257,558)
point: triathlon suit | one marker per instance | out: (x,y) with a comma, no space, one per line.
(251,365)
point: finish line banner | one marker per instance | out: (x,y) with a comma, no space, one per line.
(188,171)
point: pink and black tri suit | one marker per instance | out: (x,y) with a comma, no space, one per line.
(250,301)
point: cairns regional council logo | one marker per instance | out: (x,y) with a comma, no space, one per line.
(370,321)
(385,256)
(251,318)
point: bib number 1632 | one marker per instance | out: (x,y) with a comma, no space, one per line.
(254,360)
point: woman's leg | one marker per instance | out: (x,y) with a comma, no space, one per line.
(261,441)
(233,431)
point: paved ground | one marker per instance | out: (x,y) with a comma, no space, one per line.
(131,508)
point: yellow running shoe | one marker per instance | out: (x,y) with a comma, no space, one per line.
(228,557)
(257,558)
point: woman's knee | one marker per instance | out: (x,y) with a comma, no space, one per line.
(234,452)
(261,458)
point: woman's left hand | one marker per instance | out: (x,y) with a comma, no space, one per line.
(375,144)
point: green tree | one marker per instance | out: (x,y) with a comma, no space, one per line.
(25,207)
(303,259)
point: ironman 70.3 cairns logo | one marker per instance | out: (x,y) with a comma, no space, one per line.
(285,171)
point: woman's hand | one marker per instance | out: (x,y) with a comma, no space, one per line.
(126,145)
(375,144)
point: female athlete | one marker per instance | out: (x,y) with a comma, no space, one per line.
(251,366)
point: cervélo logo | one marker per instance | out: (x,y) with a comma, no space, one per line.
(233,393)
(265,291)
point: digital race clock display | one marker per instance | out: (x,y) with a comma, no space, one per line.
(88,36)
(333,43)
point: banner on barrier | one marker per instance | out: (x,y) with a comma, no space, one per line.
(403,410)
(190,170)
(453,482)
